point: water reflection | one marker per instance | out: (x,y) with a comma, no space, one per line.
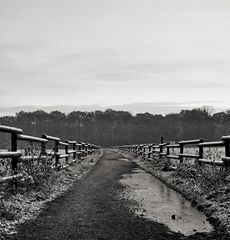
(162,204)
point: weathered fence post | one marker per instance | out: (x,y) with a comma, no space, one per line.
(181,151)
(43,150)
(74,149)
(162,139)
(79,148)
(161,147)
(227,148)
(67,152)
(90,149)
(167,151)
(14,161)
(149,153)
(86,149)
(226,159)
(201,151)
(82,149)
(144,151)
(56,153)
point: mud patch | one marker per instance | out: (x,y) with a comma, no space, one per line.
(159,203)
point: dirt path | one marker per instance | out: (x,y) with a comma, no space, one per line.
(92,210)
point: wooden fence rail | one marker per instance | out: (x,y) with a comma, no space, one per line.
(165,150)
(78,150)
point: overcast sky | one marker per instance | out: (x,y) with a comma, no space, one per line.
(114,52)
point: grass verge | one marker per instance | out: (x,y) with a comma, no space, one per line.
(26,201)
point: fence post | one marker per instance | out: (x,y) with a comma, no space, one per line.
(90,149)
(167,151)
(149,154)
(160,149)
(201,151)
(74,149)
(227,151)
(162,139)
(66,152)
(82,149)
(144,151)
(181,151)
(43,151)
(56,153)
(86,149)
(227,148)
(79,148)
(14,146)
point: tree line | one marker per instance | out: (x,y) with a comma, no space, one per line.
(110,128)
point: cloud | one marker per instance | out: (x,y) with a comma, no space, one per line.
(114,52)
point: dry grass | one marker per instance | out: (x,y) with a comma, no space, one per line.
(39,185)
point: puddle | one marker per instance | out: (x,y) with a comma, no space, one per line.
(161,204)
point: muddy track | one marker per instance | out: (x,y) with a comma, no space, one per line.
(92,210)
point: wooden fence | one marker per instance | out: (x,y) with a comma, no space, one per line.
(164,149)
(73,149)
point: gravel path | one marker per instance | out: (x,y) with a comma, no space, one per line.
(92,210)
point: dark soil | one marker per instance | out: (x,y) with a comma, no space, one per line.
(92,210)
